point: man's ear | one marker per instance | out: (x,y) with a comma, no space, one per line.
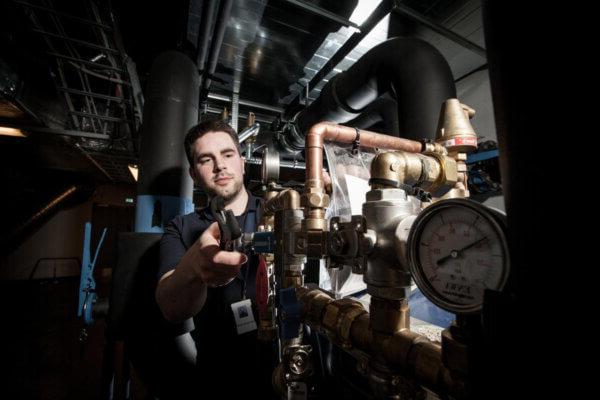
(192,173)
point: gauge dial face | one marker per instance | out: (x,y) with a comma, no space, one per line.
(457,250)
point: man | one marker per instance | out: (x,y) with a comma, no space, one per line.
(199,280)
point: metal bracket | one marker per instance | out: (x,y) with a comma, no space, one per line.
(87,284)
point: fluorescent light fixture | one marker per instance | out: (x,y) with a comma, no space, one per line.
(6,131)
(134,171)
(363,9)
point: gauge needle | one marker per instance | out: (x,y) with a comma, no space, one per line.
(457,253)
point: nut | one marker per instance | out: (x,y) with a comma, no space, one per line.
(386,194)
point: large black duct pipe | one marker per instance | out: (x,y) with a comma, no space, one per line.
(171,108)
(412,70)
(382,111)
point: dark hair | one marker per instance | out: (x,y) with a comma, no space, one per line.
(210,125)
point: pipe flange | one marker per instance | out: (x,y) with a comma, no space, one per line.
(290,139)
(270,166)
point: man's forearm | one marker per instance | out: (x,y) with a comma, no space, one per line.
(181,293)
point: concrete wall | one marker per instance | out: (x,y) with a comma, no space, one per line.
(61,237)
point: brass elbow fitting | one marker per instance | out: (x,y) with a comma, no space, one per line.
(434,172)
(287,199)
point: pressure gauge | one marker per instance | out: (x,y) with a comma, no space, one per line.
(456,249)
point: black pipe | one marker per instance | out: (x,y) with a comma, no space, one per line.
(383,111)
(171,108)
(217,41)
(412,69)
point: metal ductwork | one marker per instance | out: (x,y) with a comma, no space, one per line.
(414,72)
(217,41)
(171,108)
(206,23)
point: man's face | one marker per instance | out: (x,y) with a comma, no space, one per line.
(218,167)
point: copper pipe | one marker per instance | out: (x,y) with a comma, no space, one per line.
(322,131)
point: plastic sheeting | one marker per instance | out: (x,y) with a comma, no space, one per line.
(350,173)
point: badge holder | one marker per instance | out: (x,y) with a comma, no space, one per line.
(244,319)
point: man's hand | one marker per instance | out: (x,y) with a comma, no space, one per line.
(214,266)
(181,293)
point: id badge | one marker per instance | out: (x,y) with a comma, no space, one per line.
(244,319)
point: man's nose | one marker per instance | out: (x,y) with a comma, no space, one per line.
(220,164)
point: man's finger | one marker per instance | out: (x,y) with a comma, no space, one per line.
(210,236)
(229,258)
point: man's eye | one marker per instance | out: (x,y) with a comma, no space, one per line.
(204,160)
(229,155)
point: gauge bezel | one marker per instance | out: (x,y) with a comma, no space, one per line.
(491,216)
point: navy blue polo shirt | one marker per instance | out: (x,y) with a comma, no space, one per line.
(221,351)
(182,231)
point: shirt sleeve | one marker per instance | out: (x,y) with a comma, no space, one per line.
(172,247)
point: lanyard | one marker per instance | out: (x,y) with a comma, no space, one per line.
(249,225)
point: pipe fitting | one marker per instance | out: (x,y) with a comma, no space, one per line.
(447,175)
(389,170)
(314,200)
(389,316)
(313,304)
(338,319)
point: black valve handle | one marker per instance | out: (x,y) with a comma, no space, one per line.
(228,225)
